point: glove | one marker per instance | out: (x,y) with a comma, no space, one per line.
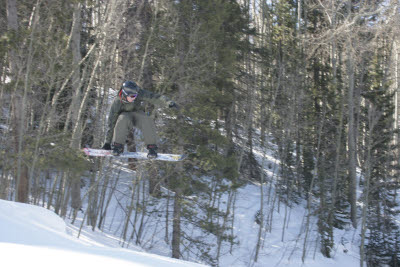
(172,104)
(107,146)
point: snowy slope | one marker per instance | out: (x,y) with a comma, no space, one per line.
(34,236)
(281,246)
(283,243)
(286,252)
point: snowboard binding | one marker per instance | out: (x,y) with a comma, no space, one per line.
(152,151)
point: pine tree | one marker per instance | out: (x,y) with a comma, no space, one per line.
(380,188)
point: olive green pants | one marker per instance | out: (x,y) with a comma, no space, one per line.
(127,120)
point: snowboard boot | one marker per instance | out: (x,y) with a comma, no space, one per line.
(117,149)
(152,151)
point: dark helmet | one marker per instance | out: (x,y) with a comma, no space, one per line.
(129,88)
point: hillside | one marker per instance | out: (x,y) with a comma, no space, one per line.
(34,236)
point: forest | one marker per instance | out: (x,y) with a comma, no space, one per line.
(315,81)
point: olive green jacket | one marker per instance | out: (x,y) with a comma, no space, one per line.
(117,107)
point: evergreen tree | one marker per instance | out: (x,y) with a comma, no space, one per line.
(380,190)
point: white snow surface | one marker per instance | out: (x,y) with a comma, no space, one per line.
(287,251)
(34,236)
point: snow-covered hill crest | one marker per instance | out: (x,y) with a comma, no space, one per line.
(33,236)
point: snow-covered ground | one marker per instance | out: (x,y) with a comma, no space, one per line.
(283,243)
(287,252)
(34,236)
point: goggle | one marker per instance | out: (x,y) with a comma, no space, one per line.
(132,96)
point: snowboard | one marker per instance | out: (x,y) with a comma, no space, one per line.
(133,155)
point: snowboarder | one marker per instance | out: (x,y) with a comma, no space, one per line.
(127,112)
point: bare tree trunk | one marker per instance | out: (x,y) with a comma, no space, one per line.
(176,225)
(76,58)
(66,196)
(129,214)
(12,25)
(52,191)
(104,207)
(310,192)
(166,237)
(396,75)
(143,215)
(154,181)
(351,137)
(74,110)
(60,192)
(176,221)
(19,101)
(224,223)
(373,118)
(261,214)
(352,128)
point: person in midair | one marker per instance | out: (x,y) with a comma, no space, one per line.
(127,112)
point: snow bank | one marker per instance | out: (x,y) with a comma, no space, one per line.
(34,236)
